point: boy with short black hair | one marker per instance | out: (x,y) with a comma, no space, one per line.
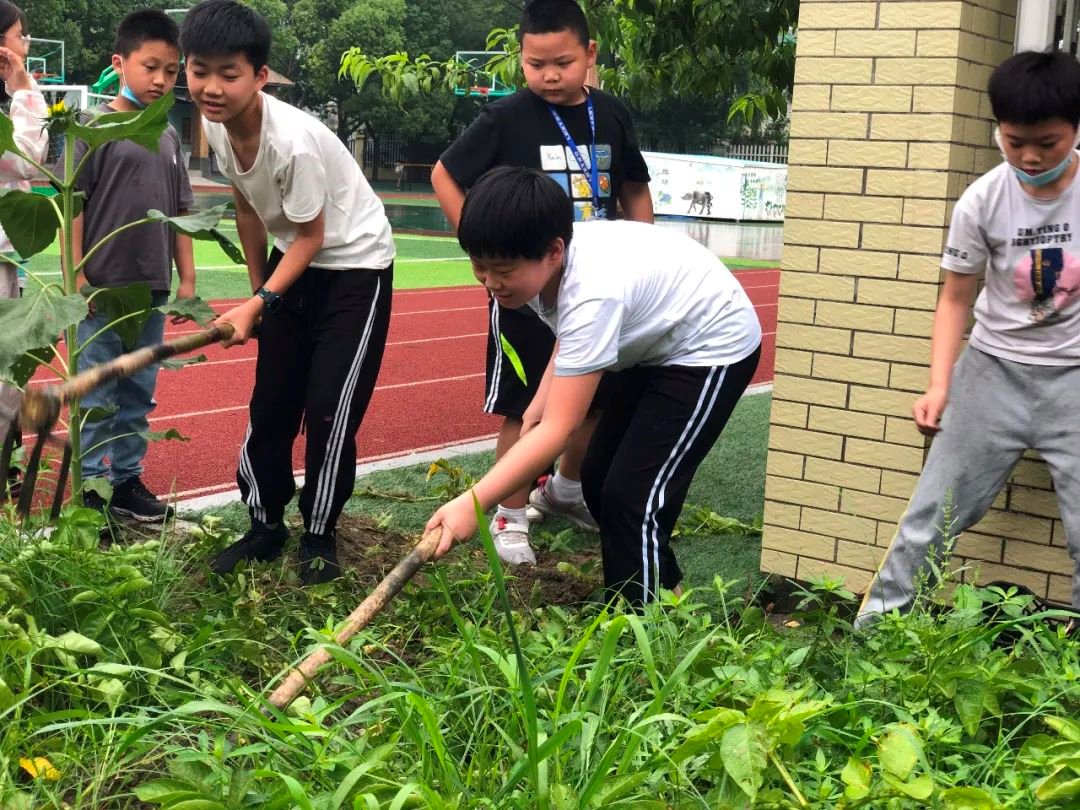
(583,138)
(1014,387)
(322,298)
(122,181)
(652,309)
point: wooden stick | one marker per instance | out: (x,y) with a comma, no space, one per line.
(41,408)
(356,621)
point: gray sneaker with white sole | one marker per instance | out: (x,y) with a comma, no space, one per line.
(542,503)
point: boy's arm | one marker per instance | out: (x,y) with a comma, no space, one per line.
(472,154)
(567,406)
(77,250)
(636,201)
(252,234)
(184,258)
(304,248)
(950,322)
(535,412)
(449,194)
(634,194)
(77,225)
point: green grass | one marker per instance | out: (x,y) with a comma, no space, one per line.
(132,680)
(422,262)
(412,202)
(730,482)
(735,263)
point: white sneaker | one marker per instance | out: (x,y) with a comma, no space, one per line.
(512,542)
(542,503)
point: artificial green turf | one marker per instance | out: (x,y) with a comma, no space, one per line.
(730,482)
(422,261)
(736,263)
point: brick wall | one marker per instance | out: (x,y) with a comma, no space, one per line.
(890,123)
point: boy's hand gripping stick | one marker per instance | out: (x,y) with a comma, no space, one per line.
(40,408)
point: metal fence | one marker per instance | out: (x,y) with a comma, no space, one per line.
(765,152)
(384,151)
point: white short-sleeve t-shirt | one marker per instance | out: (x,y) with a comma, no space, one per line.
(1029,309)
(634,294)
(301,169)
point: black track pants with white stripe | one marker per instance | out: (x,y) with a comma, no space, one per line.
(658,427)
(319,357)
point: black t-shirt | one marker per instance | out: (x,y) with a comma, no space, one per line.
(520,130)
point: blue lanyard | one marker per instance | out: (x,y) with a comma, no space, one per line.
(592,170)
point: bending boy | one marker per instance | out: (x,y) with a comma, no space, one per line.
(654,310)
(584,139)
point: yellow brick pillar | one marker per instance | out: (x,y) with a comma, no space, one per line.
(890,123)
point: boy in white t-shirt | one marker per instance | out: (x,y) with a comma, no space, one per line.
(650,307)
(322,299)
(1015,386)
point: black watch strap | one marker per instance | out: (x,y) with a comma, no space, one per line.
(271,300)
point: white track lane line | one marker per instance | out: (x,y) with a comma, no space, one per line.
(48,380)
(235,408)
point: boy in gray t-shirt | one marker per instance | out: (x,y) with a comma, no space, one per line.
(1014,388)
(122,181)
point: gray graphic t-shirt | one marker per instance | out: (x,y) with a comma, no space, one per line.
(1029,309)
(122,181)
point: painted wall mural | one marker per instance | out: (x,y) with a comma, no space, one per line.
(717,188)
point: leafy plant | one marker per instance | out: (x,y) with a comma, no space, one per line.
(30,326)
(698,520)
(452,479)
(132,681)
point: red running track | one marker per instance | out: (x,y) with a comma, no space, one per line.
(429,394)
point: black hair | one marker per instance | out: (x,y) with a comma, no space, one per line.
(145,25)
(552,16)
(11,14)
(225,28)
(1032,86)
(514,213)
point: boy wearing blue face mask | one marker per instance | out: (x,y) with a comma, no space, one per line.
(1015,386)
(122,181)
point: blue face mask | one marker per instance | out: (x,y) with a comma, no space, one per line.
(125,91)
(1043,178)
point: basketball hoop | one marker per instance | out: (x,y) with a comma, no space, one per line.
(480,82)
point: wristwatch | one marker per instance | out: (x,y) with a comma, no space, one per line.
(271,300)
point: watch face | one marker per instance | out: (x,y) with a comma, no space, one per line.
(271,300)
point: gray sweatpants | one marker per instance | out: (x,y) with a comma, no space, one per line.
(9,397)
(997,409)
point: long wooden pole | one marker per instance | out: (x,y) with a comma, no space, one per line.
(356,621)
(41,408)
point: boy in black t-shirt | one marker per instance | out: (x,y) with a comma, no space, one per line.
(583,139)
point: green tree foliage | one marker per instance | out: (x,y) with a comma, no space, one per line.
(698,50)
(87,27)
(652,52)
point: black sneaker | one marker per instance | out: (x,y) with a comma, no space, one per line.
(132,499)
(91,500)
(318,559)
(260,543)
(13,487)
